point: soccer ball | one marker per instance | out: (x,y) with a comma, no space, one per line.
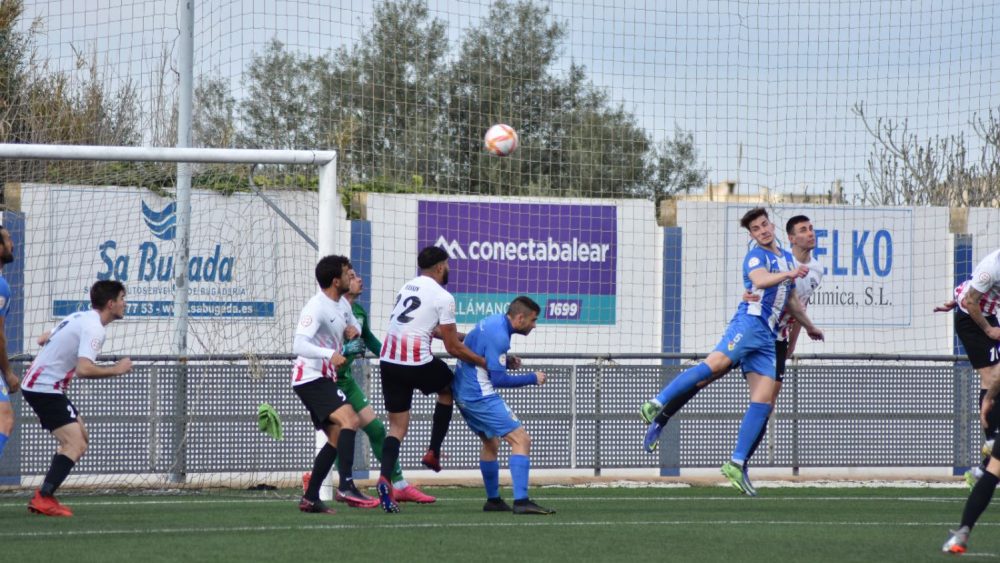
(501,140)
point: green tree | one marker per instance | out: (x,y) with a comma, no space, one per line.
(278,112)
(213,122)
(383,99)
(677,166)
(572,141)
(38,105)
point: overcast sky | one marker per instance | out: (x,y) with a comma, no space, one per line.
(766,87)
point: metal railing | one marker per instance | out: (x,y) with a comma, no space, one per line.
(859,411)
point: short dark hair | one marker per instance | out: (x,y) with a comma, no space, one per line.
(103,291)
(521,305)
(751,216)
(330,268)
(430,257)
(790,225)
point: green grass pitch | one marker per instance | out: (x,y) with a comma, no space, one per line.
(600,524)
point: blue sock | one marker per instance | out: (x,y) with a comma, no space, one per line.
(519,465)
(491,477)
(684,382)
(753,421)
(3,442)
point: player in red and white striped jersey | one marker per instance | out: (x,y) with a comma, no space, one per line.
(423,309)
(976,306)
(976,303)
(70,350)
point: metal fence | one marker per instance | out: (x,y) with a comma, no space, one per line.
(200,418)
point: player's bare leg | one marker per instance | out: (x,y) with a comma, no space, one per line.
(73,441)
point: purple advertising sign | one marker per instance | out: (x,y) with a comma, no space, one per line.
(530,248)
(565,257)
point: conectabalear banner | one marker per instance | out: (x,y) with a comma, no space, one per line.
(563,256)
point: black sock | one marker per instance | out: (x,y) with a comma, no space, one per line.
(674,405)
(345,464)
(993,419)
(58,471)
(979,499)
(987,432)
(760,438)
(442,418)
(390,454)
(321,468)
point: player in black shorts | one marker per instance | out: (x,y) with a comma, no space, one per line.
(423,309)
(983,352)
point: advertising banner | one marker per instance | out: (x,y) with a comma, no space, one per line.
(565,257)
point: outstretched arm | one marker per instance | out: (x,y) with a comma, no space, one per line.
(798,312)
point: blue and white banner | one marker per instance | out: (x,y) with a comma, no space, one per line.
(131,236)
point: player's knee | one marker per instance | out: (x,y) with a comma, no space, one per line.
(445,397)
(519,440)
(74,449)
(345,418)
(492,447)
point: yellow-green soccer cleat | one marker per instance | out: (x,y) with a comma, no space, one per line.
(971,478)
(734,473)
(649,410)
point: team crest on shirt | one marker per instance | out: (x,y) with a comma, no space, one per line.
(754,261)
(735,341)
(503,359)
(306,321)
(95,344)
(984,277)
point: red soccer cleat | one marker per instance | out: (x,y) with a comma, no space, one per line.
(432,461)
(413,494)
(48,506)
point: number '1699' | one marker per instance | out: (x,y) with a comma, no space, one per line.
(562,309)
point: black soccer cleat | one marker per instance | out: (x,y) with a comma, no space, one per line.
(315,506)
(496,505)
(525,506)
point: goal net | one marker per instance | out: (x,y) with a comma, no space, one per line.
(645,132)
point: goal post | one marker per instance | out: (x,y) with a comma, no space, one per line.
(84,226)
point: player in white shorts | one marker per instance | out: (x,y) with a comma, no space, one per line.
(423,309)
(70,350)
(324,324)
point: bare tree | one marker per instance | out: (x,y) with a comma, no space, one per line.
(904,169)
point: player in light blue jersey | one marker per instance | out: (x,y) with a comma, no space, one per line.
(485,411)
(9,382)
(768,272)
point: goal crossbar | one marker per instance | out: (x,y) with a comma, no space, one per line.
(165,154)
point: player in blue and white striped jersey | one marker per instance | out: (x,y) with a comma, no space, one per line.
(768,272)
